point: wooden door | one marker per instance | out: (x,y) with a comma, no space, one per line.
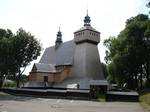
(45,78)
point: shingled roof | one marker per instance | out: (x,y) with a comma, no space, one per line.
(87,28)
(60,56)
(41,67)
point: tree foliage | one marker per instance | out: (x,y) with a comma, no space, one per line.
(5,53)
(128,55)
(104,69)
(16,52)
(26,49)
(148,5)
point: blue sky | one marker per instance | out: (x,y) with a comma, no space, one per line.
(43,17)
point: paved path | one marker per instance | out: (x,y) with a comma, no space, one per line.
(9,103)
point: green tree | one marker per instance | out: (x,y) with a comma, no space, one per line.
(5,53)
(128,54)
(26,49)
(104,70)
(16,52)
(148,5)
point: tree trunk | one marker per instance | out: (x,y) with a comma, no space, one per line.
(1,83)
(140,79)
(135,82)
(19,76)
(1,80)
(147,75)
(18,80)
(132,81)
(141,82)
(148,82)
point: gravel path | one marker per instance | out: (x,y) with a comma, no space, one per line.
(9,103)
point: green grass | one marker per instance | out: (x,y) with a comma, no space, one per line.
(145,98)
(145,101)
(102,98)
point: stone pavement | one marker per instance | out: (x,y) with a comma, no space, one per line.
(9,103)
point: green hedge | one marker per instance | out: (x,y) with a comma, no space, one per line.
(9,84)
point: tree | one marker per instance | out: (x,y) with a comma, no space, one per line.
(5,53)
(148,5)
(104,70)
(16,52)
(128,54)
(26,49)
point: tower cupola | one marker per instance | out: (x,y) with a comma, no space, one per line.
(58,39)
(87,20)
(87,33)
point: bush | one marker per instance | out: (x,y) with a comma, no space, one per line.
(9,83)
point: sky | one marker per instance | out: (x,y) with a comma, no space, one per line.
(42,18)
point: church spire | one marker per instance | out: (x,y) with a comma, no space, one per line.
(87,20)
(59,35)
(58,39)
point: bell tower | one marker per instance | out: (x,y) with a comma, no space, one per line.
(87,33)
(58,39)
(86,58)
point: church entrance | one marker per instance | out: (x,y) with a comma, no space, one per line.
(45,78)
(45,81)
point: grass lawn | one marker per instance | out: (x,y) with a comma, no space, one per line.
(101,98)
(145,101)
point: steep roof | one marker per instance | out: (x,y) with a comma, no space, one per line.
(63,55)
(87,28)
(41,67)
